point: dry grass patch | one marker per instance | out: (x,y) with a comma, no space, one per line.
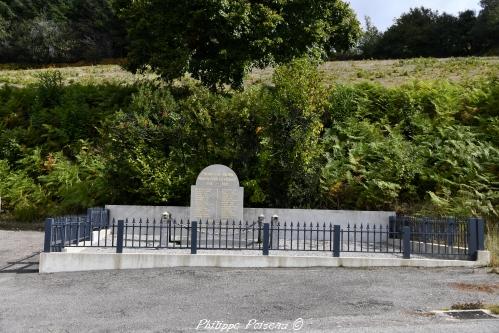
(386,72)
(476,287)
(391,73)
(467,306)
(83,75)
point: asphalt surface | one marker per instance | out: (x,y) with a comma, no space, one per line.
(181,299)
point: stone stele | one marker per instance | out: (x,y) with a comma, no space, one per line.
(217,195)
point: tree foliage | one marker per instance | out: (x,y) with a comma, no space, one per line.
(217,42)
(487,27)
(40,32)
(369,41)
(423,32)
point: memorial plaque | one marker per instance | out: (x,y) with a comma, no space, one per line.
(217,195)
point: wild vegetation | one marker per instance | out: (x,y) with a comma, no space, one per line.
(424,146)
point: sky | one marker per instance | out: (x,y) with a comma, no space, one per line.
(383,12)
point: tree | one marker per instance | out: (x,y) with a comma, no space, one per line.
(217,41)
(5,15)
(412,35)
(467,21)
(486,31)
(346,32)
(42,31)
(97,30)
(369,41)
(425,33)
(43,40)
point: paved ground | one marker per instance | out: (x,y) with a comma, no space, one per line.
(177,300)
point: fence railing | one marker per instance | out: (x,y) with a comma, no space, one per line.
(67,230)
(443,237)
(74,229)
(99,217)
(405,236)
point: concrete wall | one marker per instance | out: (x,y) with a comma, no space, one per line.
(341,217)
(70,262)
(118,212)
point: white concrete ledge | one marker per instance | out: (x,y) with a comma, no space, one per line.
(71,262)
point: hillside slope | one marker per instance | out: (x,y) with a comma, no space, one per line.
(386,72)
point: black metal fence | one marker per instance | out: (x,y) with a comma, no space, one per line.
(99,217)
(69,229)
(441,237)
(74,229)
(449,238)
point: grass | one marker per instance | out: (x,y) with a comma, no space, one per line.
(397,72)
(385,72)
(493,308)
(467,306)
(476,287)
(82,74)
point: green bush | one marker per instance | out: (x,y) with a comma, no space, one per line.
(423,147)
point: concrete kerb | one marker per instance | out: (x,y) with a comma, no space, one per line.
(73,261)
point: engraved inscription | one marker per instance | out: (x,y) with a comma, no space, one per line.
(202,198)
(217,179)
(217,195)
(229,203)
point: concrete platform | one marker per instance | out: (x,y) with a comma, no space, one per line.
(70,262)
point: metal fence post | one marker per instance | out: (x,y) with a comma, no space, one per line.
(407,242)
(480,232)
(108,218)
(194,237)
(261,219)
(451,226)
(392,227)
(273,225)
(336,241)
(472,238)
(47,246)
(89,215)
(266,237)
(63,235)
(166,216)
(425,231)
(119,238)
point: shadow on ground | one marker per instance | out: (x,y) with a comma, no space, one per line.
(24,265)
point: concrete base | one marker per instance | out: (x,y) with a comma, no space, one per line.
(483,258)
(71,262)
